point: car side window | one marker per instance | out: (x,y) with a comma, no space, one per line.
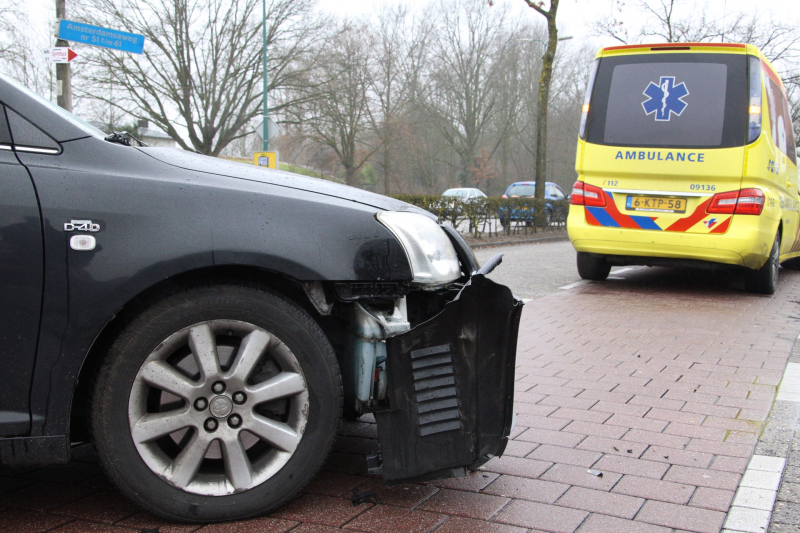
(5,135)
(27,137)
(558,194)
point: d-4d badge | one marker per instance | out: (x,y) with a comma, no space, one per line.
(665,98)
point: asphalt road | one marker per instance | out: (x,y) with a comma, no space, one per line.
(533,270)
(536,270)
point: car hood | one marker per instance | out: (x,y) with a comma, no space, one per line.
(230,169)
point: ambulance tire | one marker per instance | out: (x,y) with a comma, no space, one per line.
(765,279)
(592,267)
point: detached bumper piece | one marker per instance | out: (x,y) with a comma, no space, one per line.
(451,387)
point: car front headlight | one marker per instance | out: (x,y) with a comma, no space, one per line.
(433,259)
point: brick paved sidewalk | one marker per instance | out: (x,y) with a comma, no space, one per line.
(661,392)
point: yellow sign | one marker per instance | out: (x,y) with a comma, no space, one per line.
(266,159)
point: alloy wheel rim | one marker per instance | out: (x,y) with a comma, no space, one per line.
(218,407)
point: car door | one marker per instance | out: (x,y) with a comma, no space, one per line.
(21,277)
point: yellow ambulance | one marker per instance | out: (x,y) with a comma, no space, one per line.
(686,156)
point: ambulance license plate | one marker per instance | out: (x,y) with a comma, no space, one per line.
(656,203)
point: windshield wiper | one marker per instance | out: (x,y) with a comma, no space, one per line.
(123,137)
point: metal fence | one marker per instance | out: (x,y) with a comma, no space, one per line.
(493,215)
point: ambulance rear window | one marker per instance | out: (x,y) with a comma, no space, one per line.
(670,100)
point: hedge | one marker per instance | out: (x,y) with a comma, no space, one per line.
(490,214)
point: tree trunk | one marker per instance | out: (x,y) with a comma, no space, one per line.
(387,171)
(543,102)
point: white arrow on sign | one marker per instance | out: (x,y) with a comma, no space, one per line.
(60,54)
(272,129)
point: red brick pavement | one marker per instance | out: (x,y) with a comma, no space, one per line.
(662,392)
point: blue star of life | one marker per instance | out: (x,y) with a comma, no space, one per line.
(665,98)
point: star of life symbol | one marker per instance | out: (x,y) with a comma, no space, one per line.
(665,98)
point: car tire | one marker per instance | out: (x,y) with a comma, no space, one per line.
(592,267)
(765,279)
(161,370)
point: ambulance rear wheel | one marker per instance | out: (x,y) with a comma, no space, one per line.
(592,267)
(765,279)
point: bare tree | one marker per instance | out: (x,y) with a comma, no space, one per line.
(10,13)
(544,95)
(200,76)
(22,58)
(335,111)
(400,55)
(680,21)
(461,93)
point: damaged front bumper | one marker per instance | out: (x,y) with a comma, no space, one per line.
(444,389)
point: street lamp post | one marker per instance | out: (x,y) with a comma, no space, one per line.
(265,135)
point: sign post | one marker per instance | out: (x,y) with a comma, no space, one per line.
(63,70)
(78,32)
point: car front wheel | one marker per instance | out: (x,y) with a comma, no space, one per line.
(217,403)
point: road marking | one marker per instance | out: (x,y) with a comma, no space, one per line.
(752,506)
(618,279)
(789,389)
(621,270)
(576,284)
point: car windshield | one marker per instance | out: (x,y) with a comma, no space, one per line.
(522,190)
(80,123)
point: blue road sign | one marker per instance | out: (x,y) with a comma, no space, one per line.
(95,35)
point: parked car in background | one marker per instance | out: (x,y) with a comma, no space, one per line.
(464,193)
(205,323)
(527,189)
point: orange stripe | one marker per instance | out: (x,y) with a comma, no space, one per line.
(590,218)
(686,223)
(722,227)
(622,219)
(672,45)
(774,75)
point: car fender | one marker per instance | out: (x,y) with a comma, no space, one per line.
(155,221)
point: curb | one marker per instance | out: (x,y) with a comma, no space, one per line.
(774,454)
(554,238)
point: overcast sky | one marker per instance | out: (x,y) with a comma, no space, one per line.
(575,16)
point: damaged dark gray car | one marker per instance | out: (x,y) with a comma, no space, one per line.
(207,324)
